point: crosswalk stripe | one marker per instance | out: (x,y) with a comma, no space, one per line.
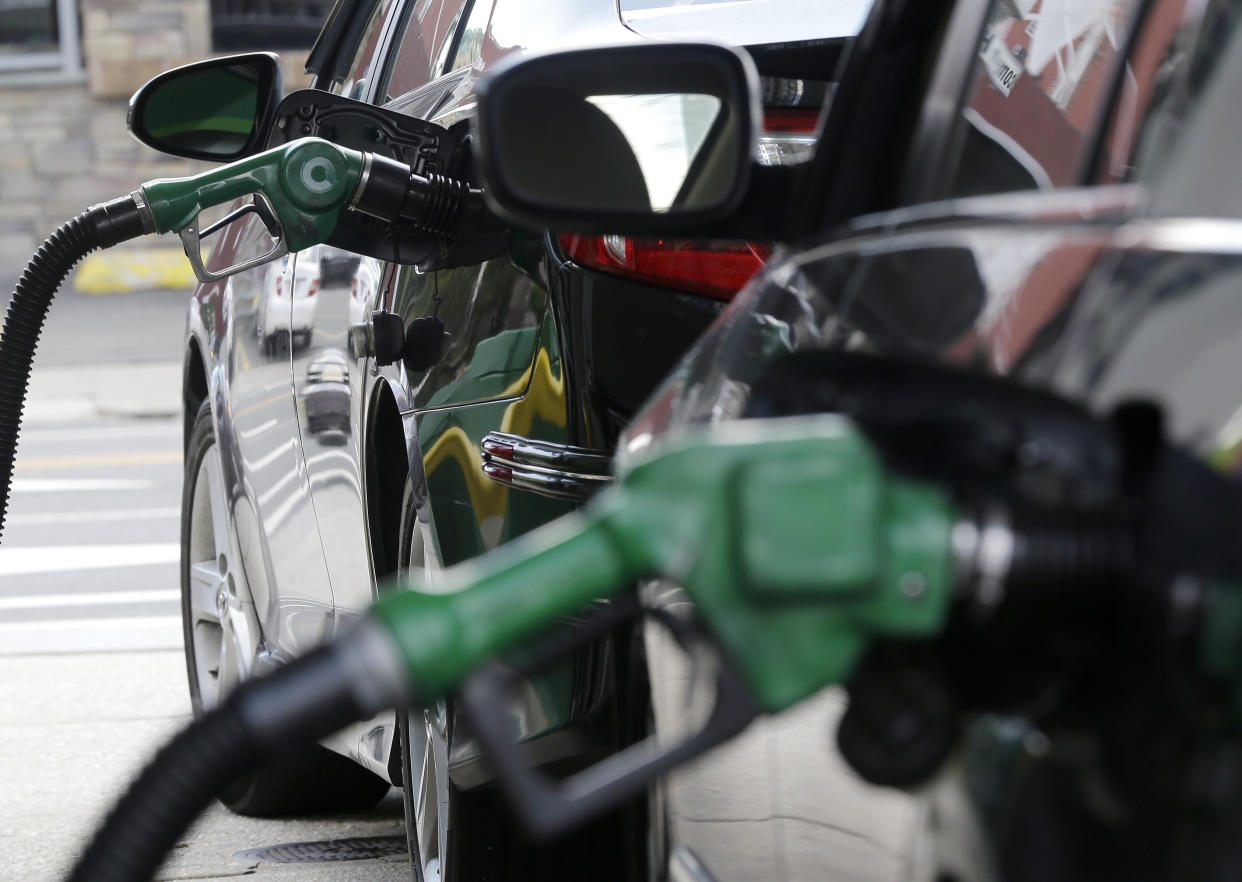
(121,634)
(78,485)
(155,457)
(79,517)
(98,598)
(65,558)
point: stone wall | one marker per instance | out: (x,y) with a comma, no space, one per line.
(126,42)
(64,146)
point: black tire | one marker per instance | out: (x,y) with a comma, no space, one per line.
(486,843)
(307,780)
(405,552)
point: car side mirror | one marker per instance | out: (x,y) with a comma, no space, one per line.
(644,138)
(219,109)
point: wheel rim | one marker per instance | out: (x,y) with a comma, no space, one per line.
(429,800)
(220,632)
(428,765)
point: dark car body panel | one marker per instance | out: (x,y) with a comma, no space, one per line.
(536,346)
(1096,294)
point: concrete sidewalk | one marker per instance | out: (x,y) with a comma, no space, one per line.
(75,730)
(62,394)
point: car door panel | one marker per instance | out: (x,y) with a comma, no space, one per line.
(247,322)
(329,376)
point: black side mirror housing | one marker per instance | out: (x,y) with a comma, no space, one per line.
(643,138)
(219,110)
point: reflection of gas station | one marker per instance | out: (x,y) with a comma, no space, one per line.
(1047,67)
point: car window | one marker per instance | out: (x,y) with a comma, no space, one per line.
(745,22)
(468,45)
(359,68)
(422,44)
(1040,92)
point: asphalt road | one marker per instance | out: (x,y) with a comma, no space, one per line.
(92,677)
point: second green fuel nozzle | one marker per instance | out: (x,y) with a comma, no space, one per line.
(799,548)
(795,543)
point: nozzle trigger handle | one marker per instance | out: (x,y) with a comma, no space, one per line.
(191,239)
(549,807)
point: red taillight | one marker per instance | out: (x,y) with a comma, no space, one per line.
(498,448)
(716,269)
(312,288)
(788,119)
(280,285)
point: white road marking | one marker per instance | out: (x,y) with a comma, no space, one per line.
(259,429)
(147,429)
(289,448)
(99,598)
(65,485)
(86,517)
(122,634)
(63,558)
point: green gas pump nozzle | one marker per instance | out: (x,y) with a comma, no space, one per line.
(299,191)
(799,549)
(794,541)
(796,545)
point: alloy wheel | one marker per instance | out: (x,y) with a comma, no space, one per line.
(425,761)
(221,625)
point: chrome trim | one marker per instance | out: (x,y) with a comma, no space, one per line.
(984,554)
(262,206)
(363,179)
(685,866)
(144,210)
(560,471)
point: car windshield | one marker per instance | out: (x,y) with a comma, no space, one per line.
(746,22)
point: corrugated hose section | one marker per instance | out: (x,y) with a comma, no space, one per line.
(100,226)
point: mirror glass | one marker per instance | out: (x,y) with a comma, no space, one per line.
(208,110)
(665,133)
(661,142)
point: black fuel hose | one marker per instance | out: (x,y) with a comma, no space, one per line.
(299,703)
(100,226)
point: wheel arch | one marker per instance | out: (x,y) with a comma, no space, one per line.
(193,387)
(385,472)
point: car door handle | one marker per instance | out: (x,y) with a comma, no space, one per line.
(561,471)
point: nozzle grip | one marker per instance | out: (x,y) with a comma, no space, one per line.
(503,599)
(299,190)
(549,807)
(191,240)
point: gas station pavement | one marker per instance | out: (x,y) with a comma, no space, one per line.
(92,678)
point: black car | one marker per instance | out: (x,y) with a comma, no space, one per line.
(1080,238)
(322,461)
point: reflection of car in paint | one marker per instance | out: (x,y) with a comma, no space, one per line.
(336,266)
(287,311)
(325,397)
(363,283)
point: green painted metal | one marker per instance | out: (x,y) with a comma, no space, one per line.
(797,546)
(308,182)
(1220,643)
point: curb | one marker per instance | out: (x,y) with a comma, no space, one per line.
(73,393)
(134,269)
